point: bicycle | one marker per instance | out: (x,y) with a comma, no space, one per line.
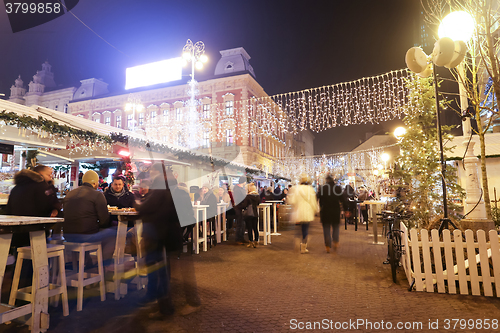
(395,248)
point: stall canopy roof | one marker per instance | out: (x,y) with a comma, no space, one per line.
(61,154)
(492,143)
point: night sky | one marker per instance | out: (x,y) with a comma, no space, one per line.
(293,45)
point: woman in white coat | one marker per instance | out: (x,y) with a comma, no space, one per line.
(303,200)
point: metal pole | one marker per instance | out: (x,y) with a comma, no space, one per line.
(445,220)
(440,140)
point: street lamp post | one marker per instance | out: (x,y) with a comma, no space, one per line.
(133,104)
(459,26)
(194,53)
(449,51)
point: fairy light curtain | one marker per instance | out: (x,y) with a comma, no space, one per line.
(368,100)
(362,162)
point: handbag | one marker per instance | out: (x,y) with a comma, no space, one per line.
(248,212)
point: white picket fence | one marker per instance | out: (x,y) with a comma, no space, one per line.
(444,261)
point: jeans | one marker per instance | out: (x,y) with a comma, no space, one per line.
(364,212)
(305,231)
(252,228)
(158,279)
(334,233)
(240,226)
(106,236)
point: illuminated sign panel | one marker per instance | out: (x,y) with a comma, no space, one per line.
(154,73)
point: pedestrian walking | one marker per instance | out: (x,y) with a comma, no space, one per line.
(303,200)
(330,198)
(184,263)
(161,231)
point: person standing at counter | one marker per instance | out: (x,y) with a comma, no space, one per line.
(239,194)
(33,195)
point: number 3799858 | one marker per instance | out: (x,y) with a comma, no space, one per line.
(471,324)
(32,8)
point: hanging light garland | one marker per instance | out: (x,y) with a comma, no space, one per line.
(369,100)
(362,162)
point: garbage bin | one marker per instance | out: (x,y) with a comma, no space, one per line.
(285,217)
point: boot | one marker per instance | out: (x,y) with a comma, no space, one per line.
(296,244)
(255,244)
(335,246)
(250,244)
(327,249)
(303,248)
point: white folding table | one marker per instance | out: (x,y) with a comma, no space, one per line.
(196,237)
(10,224)
(220,228)
(275,203)
(266,222)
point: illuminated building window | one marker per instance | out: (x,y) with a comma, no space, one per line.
(141,119)
(206,139)
(229,137)
(206,111)
(178,114)
(107,121)
(229,108)
(119,121)
(130,124)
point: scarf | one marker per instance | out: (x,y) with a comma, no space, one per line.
(119,194)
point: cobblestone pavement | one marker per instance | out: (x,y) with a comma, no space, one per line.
(274,288)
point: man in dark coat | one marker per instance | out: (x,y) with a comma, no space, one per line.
(239,194)
(184,264)
(330,197)
(86,217)
(161,229)
(32,196)
(350,204)
(119,196)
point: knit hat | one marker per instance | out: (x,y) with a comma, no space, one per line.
(90,177)
(243,180)
(207,185)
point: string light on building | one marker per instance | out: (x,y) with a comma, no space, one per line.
(133,105)
(194,53)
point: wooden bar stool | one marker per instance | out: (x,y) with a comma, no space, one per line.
(79,278)
(56,288)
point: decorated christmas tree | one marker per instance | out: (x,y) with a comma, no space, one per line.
(418,168)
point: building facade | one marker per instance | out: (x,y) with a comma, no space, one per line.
(235,119)
(41,91)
